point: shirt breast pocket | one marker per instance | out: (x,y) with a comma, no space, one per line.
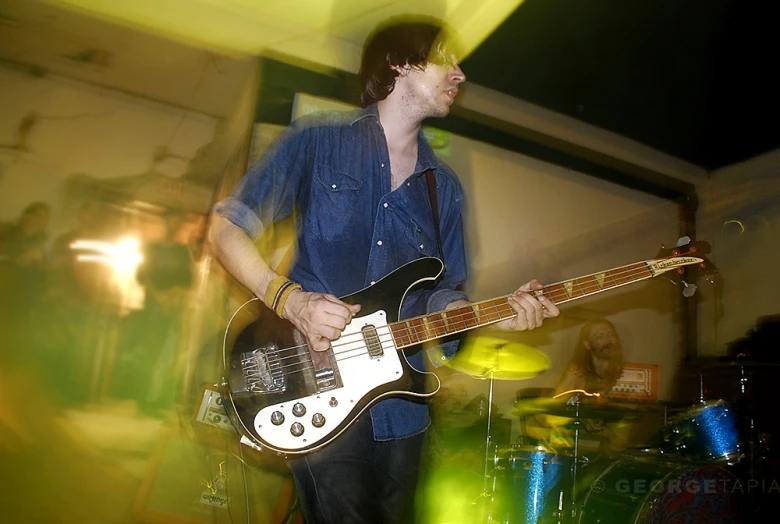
(334,202)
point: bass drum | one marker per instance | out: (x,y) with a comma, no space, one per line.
(650,490)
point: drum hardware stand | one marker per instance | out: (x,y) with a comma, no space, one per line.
(576,459)
(485,493)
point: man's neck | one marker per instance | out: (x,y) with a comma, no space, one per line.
(401,131)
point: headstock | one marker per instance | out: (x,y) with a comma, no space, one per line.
(684,263)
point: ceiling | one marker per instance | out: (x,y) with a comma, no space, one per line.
(691,78)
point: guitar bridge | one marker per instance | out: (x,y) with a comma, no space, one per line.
(262,370)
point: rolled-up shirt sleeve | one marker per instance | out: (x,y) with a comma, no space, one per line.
(269,190)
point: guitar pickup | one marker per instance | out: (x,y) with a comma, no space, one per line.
(373,344)
(262,369)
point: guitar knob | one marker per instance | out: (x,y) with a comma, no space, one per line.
(296,429)
(277,418)
(299,409)
(318,420)
(333,402)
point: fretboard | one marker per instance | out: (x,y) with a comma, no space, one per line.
(424,328)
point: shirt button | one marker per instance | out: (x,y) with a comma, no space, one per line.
(385,204)
(421,246)
(382,164)
(379,243)
(333,186)
(373,282)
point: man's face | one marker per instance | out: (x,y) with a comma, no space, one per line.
(602,341)
(430,92)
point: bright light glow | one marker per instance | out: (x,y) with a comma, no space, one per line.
(123,256)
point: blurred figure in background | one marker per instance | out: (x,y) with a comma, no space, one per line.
(22,263)
(23,242)
(71,299)
(149,343)
(595,367)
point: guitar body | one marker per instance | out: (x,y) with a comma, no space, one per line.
(281,402)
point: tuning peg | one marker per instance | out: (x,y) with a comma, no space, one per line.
(689,289)
(683,241)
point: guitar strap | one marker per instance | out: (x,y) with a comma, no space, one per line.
(435,209)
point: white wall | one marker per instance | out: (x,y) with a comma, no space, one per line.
(740,217)
(530,219)
(81,129)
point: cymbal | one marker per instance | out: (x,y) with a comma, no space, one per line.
(559,408)
(488,357)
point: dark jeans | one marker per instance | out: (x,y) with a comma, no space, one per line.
(357,480)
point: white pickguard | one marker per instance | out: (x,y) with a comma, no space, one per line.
(359,375)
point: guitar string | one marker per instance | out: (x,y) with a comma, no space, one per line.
(434,324)
(468,310)
(343,354)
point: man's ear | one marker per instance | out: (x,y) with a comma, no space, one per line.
(401,70)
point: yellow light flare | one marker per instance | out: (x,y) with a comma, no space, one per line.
(329,32)
(578,391)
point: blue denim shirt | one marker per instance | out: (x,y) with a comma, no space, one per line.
(333,171)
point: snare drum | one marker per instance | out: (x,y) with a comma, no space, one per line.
(647,490)
(529,483)
(705,432)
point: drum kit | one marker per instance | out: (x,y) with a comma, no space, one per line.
(695,468)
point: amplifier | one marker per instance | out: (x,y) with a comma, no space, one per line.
(639,383)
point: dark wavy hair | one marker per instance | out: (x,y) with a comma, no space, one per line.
(399,42)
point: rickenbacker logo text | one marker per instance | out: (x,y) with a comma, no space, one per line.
(681,261)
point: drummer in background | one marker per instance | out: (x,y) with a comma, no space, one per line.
(595,367)
(597,363)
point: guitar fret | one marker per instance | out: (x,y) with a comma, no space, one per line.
(445,321)
(436,325)
(579,285)
(430,332)
(469,317)
(477,316)
(411,331)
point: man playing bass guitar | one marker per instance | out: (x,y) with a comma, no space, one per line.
(359,186)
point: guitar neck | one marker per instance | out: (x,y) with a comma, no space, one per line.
(425,328)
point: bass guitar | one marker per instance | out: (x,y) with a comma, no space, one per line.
(278,399)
